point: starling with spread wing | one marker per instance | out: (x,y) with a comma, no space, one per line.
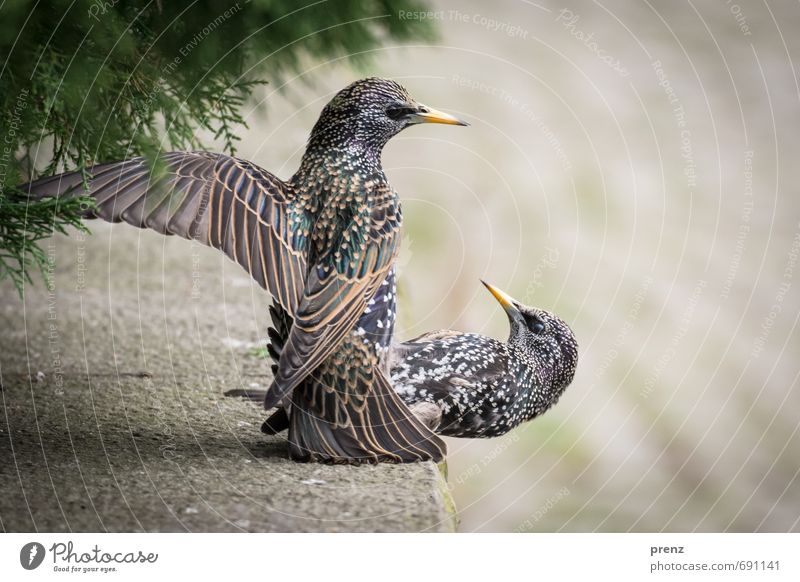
(321,243)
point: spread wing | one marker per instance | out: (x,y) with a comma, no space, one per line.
(336,294)
(221,201)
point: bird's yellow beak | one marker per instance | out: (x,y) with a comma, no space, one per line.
(425,114)
(503,298)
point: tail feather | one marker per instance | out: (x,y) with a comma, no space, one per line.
(281,324)
(278,422)
(326,425)
(383,430)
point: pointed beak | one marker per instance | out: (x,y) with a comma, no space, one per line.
(425,114)
(503,298)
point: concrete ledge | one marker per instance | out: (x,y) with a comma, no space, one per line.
(113,417)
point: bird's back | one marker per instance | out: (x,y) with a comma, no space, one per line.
(472,378)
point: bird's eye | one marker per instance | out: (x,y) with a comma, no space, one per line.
(399,110)
(535,324)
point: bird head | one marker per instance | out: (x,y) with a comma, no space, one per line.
(541,337)
(370,112)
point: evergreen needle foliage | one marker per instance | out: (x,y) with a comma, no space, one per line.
(90,81)
(22,226)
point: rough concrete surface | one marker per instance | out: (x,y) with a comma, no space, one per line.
(112,414)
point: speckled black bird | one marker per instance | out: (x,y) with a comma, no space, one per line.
(321,243)
(466,384)
(470,385)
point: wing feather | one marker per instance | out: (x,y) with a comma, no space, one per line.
(335,296)
(221,201)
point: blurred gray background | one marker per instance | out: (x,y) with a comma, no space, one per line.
(632,166)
